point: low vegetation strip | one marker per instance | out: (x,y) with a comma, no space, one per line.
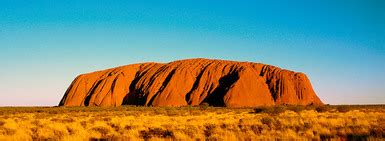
(192,123)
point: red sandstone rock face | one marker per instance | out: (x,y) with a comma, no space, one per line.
(191,82)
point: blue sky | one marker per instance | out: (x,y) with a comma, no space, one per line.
(339,44)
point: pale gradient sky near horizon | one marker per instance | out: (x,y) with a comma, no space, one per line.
(45,44)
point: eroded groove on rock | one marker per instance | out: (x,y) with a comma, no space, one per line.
(191,82)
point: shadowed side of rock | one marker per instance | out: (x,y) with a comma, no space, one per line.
(191,82)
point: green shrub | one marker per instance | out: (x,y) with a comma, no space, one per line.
(172,112)
(321,109)
(275,110)
(296,108)
(102,130)
(343,109)
(378,132)
(267,120)
(259,110)
(156,132)
(204,106)
(357,137)
(326,137)
(209,129)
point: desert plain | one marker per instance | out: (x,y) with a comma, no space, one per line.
(203,122)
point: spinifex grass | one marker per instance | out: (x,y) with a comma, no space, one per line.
(191,123)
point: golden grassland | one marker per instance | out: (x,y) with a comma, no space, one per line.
(192,123)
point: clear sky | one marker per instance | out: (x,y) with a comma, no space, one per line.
(45,44)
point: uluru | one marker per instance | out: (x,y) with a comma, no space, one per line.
(192,82)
